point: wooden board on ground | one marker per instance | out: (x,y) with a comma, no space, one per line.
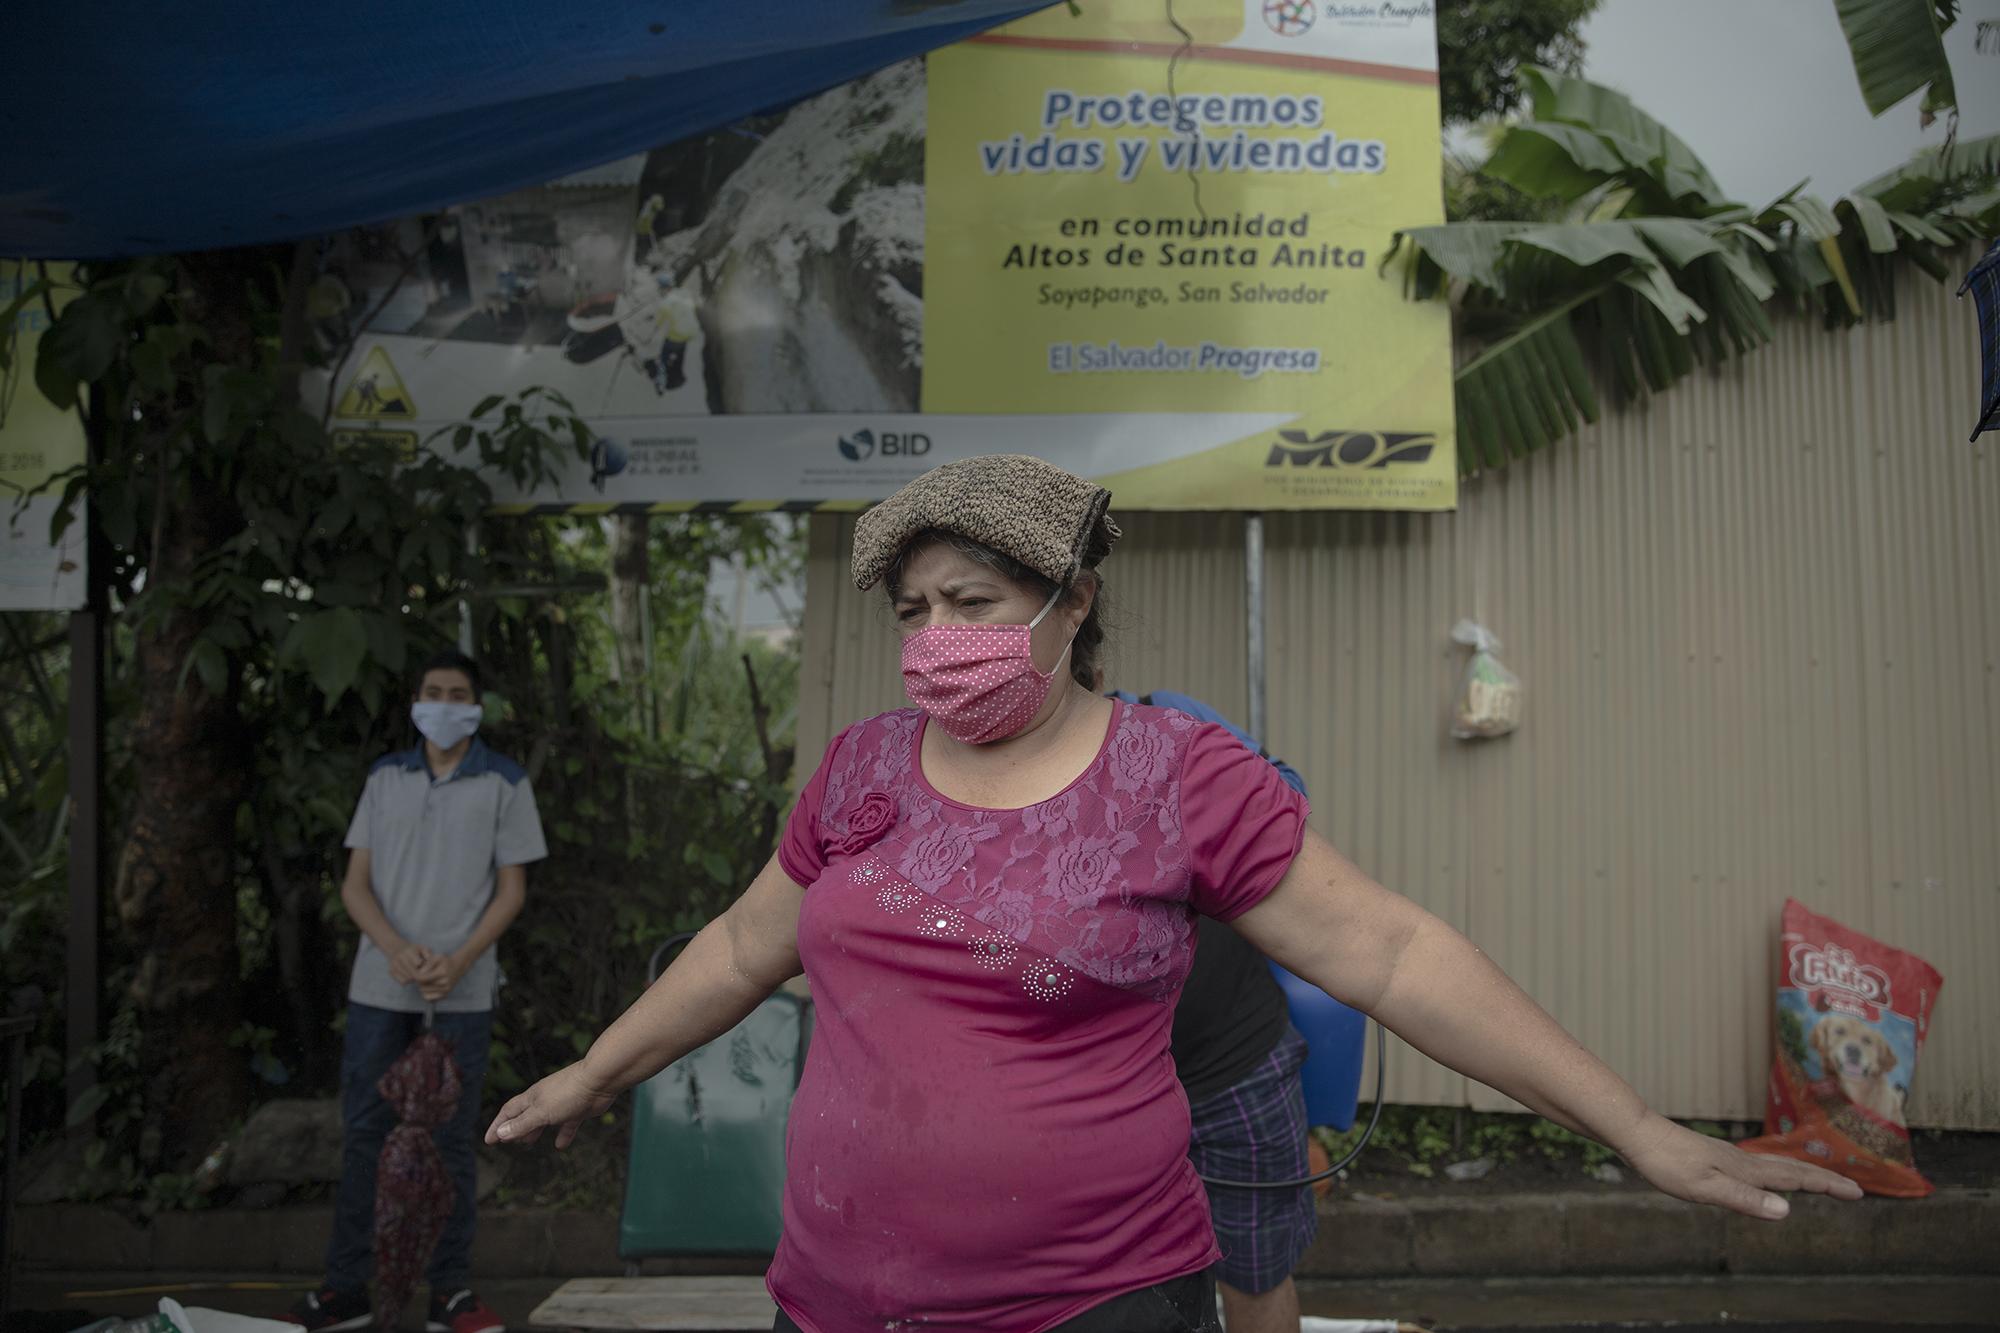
(684,1304)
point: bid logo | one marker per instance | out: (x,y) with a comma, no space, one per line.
(864,444)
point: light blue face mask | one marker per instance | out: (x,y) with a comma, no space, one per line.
(444,724)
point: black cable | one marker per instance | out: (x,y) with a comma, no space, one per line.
(1375,1118)
(671,941)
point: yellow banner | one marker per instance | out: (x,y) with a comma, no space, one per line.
(1126,218)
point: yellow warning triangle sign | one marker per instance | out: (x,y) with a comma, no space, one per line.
(376,391)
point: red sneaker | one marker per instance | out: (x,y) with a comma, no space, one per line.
(462,1313)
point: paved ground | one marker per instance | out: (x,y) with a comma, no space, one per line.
(1695,1305)
(1732,1327)
(1819,1303)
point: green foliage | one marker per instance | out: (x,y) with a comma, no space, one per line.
(1484,44)
(317,571)
(1558,1144)
(1422,1140)
(344,560)
(1470,195)
(34,833)
(1417,1138)
(110,1165)
(1898,48)
(660,799)
(1639,269)
(1937,197)
(1484,47)
(1581,135)
(671,778)
(311,573)
(331,567)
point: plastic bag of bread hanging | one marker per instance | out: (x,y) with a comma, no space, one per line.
(1852,1017)
(1489,696)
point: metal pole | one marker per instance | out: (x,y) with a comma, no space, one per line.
(86,847)
(1253,593)
(649,699)
(465,603)
(83,952)
(14,1029)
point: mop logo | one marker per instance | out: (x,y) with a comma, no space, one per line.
(865,443)
(1350,449)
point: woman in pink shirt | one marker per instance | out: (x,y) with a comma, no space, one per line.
(992,894)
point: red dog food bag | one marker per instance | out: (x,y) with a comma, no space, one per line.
(1852,1017)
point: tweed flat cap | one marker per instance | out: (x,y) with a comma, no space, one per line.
(1014,503)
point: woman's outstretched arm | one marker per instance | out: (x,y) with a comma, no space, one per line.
(1331,924)
(724,972)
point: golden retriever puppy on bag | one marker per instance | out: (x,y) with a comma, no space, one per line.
(1852,1051)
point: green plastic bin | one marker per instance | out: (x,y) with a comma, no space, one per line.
(706,1174)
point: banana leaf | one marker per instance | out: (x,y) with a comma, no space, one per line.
(1656,272)
(1898,47)
(1641,140)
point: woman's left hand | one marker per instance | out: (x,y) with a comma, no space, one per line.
(565,1099)
(1700,1169)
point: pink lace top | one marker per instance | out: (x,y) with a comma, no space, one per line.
(988,1133)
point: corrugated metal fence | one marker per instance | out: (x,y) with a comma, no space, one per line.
(1759,622)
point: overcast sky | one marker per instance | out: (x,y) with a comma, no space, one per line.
(1764,90)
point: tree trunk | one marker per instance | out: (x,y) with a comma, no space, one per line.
(308,968)
(176,892)
(176,881)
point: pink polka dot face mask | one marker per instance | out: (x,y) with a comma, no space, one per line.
(978,682)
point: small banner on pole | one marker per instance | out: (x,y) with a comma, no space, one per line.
(38,441)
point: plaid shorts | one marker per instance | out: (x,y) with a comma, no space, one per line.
(1257,1131)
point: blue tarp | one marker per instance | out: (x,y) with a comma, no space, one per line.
(133,128)
(1984,284)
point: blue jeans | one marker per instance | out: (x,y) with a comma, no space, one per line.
(375,1037)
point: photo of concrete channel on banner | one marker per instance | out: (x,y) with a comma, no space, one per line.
(1149,251)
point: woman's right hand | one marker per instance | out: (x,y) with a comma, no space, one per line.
(565,1098)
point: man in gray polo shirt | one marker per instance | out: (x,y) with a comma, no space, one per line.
(436,873)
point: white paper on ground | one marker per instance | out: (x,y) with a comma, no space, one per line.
(199,1320)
